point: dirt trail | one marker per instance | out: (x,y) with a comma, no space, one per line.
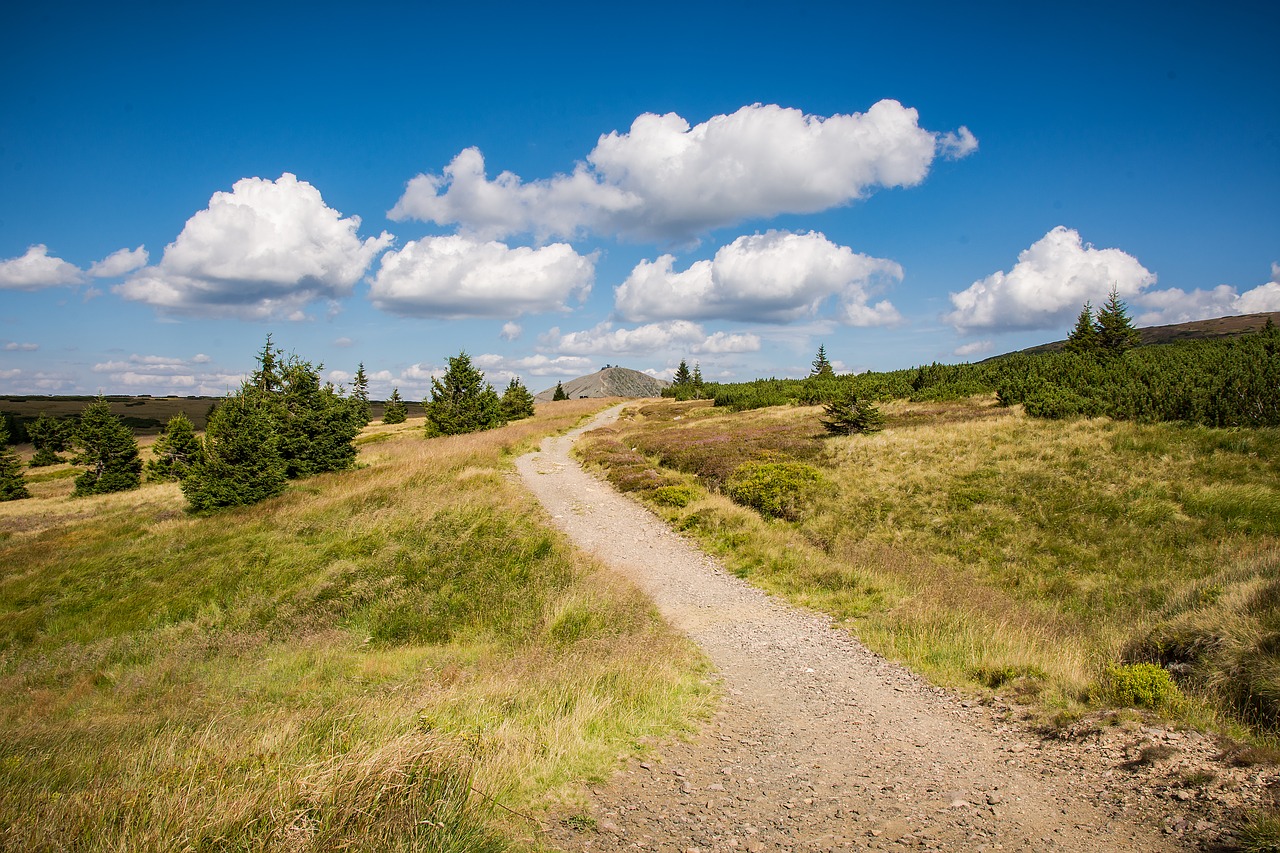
(820,744)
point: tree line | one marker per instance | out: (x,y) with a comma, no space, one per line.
(282,424)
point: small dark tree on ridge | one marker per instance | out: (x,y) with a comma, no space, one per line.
(396,411)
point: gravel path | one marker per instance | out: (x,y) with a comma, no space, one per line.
(821,744)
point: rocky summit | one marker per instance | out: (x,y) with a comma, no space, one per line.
(609,381)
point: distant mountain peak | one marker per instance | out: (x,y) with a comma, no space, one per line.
(608,381)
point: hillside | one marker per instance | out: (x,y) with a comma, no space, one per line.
(1217,327)
(608,382)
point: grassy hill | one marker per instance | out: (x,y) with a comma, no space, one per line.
(1197,330)
(400,657)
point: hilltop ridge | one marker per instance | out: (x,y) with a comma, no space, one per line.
(608,381)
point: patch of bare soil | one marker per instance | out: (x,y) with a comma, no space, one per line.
(822,745)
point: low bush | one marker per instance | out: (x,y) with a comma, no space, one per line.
(1139,685)
(774,489)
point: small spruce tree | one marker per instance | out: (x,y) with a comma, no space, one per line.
(175,451)
(241,462)
(847,414)
(560,394)
(50,437)
(1115,331)
(396,411)
(821,366)
(516,402)
(13,486)
(104,444)
(360,396)
(697,381)
(683,377)
(461,401)
(1084,337)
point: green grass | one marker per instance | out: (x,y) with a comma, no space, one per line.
(373,659)
(988,549)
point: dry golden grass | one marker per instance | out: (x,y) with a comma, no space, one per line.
(339,666)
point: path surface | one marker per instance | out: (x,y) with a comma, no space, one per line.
(820,744)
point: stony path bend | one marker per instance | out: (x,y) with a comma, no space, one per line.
(820,744)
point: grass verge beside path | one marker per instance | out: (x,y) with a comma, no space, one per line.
(394,658)
(986,549)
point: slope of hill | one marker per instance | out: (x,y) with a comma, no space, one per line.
(1218,327)
(608,382)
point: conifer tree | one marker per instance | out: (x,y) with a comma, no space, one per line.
(360,396)
(314,424)
(821,366)
(104,444)
(683,377)
(396,411)
(847,414)
(516,402)
(13,485)
(241,462)
(461,401)
(175,451)
(560,394)
(50,437)
(1115,331)
(267,377)
(697,381)
(1084,337)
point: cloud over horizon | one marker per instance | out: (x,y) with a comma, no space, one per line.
(264,250)
(454,277)
(778,276)
(667,180)
(1049,284)
(1174,305)
(684,335)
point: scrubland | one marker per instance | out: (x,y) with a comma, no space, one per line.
(399,657)
(990,550)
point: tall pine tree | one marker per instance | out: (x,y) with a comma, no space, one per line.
(821,366)
(107,447)
(360,396)
(13,486)
(682,377)
(559,394)
(1115,331)
(1084,337)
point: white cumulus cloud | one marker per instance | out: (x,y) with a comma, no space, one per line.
(265,249)
(162,374)
(36,269)
(19,346)
(120,262)
(1174,305)
(681,335)
(777,276)
(456,276)
(1051,281)
(535,365)
(668,180)
(511,331)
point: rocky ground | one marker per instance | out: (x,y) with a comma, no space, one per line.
(822,745)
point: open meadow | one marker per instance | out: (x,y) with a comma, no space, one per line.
(990,550)
(399,657)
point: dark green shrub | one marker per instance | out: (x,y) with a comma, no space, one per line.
(108,449)
(680,496)
(847,415)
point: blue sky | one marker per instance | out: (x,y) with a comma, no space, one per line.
(732,184)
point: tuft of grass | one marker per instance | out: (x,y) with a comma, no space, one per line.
(1261,834)
(1139,685)
(399,657)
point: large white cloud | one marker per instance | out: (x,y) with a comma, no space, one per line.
(1174,305)
(683,335)
(535,365)
(36,269)
(459,277)
(777,276)
(665,179)
(1052,280)
(265,249)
